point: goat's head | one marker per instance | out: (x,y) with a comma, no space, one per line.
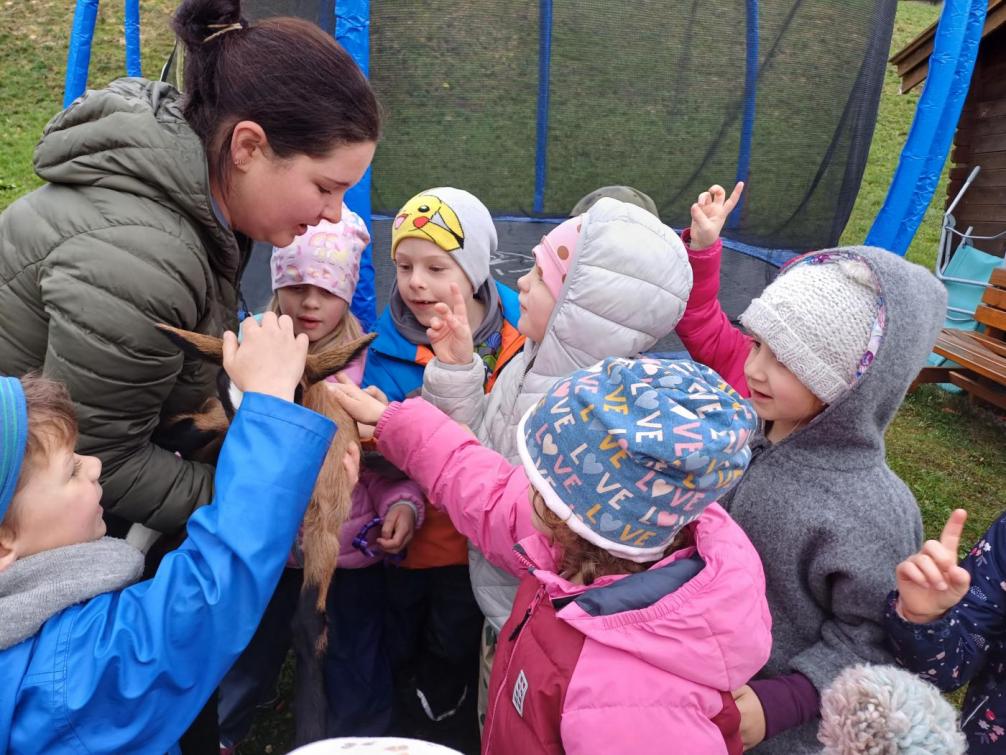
(332,496)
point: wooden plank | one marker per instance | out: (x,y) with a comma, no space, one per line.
(990,317)
(994,297)
(998,277)
(995,195)
(931,375)
(983,389)
(965,158)
(995,345)
(970,355)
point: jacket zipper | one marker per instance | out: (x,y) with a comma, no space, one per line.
(977,708)
(513,652)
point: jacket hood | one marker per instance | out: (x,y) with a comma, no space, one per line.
(699,614)
(625,290)
(913,306)
(132,137)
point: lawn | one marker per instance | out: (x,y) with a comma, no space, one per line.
(948,451)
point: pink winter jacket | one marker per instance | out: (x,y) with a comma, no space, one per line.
(627,664)
(705,329)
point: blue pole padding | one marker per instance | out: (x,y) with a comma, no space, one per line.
(132,31)
(541,126)
(352,31)
(78,57)
(750,106)
(955,48)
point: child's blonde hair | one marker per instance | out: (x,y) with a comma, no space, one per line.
(348,329)
(52,426)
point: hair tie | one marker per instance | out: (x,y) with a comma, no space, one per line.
(222,29)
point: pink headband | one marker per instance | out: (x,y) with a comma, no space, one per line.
(327,256)
(554,254)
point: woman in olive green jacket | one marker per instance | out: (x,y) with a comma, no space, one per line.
(148,215)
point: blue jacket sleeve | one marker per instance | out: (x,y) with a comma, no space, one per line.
(950,651)
(128,671)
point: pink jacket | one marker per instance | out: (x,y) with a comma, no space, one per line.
(705,329)
(624,665)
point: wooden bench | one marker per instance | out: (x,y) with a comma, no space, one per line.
(980,357)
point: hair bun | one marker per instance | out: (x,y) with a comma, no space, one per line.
(195,20)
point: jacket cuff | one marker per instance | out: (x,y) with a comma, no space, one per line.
(287,411)
(787,701)
(715,248)
(899,626)
(393,408)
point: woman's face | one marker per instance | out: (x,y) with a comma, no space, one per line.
(275,200)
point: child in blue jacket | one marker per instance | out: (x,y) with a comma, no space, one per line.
(92,660)
(947,623)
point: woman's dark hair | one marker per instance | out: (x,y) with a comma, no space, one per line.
(285,74)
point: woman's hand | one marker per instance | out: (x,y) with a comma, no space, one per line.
(449,332)
(270,358)
(930,582)
(710,213)
(360,405)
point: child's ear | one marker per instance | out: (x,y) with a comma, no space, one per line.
(8,554)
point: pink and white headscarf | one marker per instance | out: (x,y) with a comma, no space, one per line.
(327,256)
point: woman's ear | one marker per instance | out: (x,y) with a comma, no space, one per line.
(248,143)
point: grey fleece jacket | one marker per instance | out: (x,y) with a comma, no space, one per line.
(828,516)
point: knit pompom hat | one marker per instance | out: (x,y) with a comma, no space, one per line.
(326,256)
(457,222)
(630,451)
(818,318)
(887,711)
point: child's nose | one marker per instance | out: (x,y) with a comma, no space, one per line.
(333,210)
(524,282)
(94,464)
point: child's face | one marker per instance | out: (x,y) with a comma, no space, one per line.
(777,394)
(425,273)
(314,311)
(536,304)
(60,504)
(534,499)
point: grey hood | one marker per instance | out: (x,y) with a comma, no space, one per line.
(132,137)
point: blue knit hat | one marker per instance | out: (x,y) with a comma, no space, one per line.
(13,437)
(630,451)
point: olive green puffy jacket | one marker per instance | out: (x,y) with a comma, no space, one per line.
(122,236)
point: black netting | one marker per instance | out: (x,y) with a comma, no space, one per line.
(649,94)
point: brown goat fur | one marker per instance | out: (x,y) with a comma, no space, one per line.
(332,497)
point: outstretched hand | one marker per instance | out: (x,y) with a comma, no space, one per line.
(710,213)
(450,333)
(930,582)
(358,403)
(270,358)
(398,528)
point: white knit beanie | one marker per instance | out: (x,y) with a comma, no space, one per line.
(457,222)
(817,318)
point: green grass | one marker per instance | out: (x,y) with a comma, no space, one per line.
(949,452)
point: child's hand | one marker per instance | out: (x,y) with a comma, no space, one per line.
(752,716)
(359,404)
(269,359)
(377,393)
(709,214)
(449,332)
(930,583)
(398,528)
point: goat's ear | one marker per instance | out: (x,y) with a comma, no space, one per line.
(195,344)
(330,361)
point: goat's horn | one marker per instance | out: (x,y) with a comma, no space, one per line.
(330,361)
(195,344)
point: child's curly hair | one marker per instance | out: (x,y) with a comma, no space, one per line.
(581,557)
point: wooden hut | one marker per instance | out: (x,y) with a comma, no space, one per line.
(981,134)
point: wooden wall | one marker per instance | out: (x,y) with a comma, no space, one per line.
(981,140)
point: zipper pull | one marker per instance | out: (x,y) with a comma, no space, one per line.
(516,629)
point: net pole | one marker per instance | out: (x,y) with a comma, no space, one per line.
(750,102)
(132,32)
(78,56)
(541,125)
